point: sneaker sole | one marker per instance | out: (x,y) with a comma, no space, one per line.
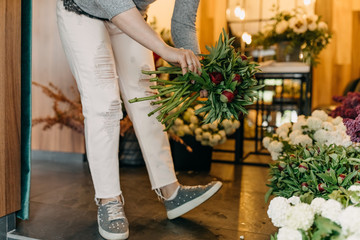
(113,236)
(186,207)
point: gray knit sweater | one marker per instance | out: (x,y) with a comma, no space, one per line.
(183,29)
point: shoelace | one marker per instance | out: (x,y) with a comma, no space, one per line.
(115,211)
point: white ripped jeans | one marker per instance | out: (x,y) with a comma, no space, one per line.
(105,61)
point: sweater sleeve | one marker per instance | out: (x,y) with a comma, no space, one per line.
(105,8)
(183,27)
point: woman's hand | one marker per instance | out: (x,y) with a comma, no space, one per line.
(184,58)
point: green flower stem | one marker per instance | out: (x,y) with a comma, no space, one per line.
(150,97)
(167,82)
(163,113)
(183,108)
(160,101)
(162,72)
(156,110)
(176,98)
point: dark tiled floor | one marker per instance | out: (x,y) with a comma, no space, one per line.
(62,205)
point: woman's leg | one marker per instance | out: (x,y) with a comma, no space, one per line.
(131,58)
(88,49)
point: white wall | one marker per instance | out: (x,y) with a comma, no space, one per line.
(162,10)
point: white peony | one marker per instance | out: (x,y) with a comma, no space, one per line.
(222,133)
(321,136)
(314,123)
(337,120)
(194,119)
(294,200)
(320,114)
(323,26)
(179,122)
(341,127)
(286,233)
(311,22)
(331,209)
(284,128)
(205,126)
(354,188)
(275,155)
(300,216)
(266,142)
(349,219)
(187,130)
(277,210)
(206,135)
(276,146)
(283,135)
(328,126)
(236,124)
(199,138)
(281,27)
(303,140)
(299,125)
(294,134)
(355,236)
(213,125)
(317,205)
(192,126)
(298,24)
(301,118)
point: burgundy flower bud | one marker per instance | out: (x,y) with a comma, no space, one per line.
(236,92)
(281,166)
(357,182)
(356,167)
(238,79)
(305,186)
(341,178)
(328,171)
(321,187)
(292,155)
(216,77)
(303,167)
(244,57)
(227,96)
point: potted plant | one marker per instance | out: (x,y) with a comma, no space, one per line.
(293,33)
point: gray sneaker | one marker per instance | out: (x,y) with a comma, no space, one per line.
(189,197)
(112,221)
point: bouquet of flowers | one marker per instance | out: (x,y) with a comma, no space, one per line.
(319,128)
(315,220)
(227,83)
(349,109)
(210,134)
(299,29)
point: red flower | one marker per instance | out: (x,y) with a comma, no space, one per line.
(304,186)
(216,77)
(281,166)
(303,167)
(237,79)
(244,57)
(321,187)
(227,96)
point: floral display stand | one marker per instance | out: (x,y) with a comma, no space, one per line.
(197,160)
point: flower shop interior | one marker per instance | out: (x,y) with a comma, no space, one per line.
(286,148)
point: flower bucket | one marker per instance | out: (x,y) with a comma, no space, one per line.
(287,53)
(198,160)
